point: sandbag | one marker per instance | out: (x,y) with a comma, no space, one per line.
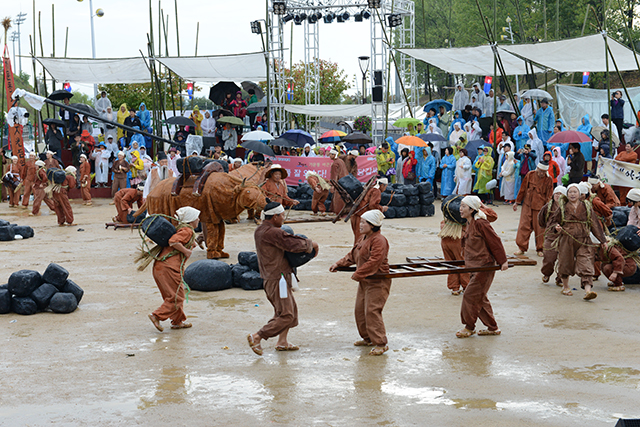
(399,200)
(5,286)
(413,211)
(21,283)
(292,192)
(251,281)
(56,275)
(628,237)
(208,275)
(71,287)
(413,200)
(427,210)
(287,228)
(250,259)
(5,301)
(424,187)
(298,259)
(410,190)
(401,212)
(351,185)
(306,205)
(634,279)
(43,295)
(427,198)
(7,233)
(193,165)
(23,305)
(451,209)
(620,215)
(23,230)
(237,270)
(158,229)
(57,176)
(63,302)
(136,220)
(385,198)
(390,212)
(4,223)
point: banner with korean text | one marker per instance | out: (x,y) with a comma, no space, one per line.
(618,173)
(296,167)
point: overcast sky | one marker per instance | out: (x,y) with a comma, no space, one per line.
(224,28)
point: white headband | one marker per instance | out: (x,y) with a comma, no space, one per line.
(275,211)
(560,189)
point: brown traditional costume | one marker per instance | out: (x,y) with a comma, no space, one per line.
(370,201)
(631,157)
(120,169)
(320,192)
(606,194)
(85,181)
(124,201)
(615,260)
(62,206)
(40,183)
(29,178)
(277,192)
(51,163)
(338,170)
(14,193)
(550,246)
(535,191)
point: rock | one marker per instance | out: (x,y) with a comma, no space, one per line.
(71,287)
(5,301)
(424,187)
(158,229)
(413,200)
(401,212)
(620,215)
(63,302)
(250,259)
(208,275)
(427,210)
(287,228)
(399,200)
(410,190)
(23,282)
(23,305)
(299,259)
(56,275)
(7,233)
(237,271)
(628,237)
(351,185)
(413,210)
(251,281)
(23,230)
(43,295)
(136,220)
(427,198)
(390,213)
(451,209)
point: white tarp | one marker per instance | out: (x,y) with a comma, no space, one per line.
(576,55)
(468,60)
(246,66)
(574,102)
(623,174)
(338,110)
(101,71)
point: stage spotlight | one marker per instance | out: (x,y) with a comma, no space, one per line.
(303,16)
(339,18)
(328,18)
(394,20)
(346,16)
(318,15)
(312,19)
(279,7)
(256,28)
(374,4)
(366,14)
(288,17)
(297,20)
(358,17)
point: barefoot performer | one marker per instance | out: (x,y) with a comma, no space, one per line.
(370,256)
(550,248)
(482,247)
(168,270)
(320,192)
(371,201)
(271,243)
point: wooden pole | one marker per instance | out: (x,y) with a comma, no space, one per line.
(35,89)
(197,35)
(166,47)
(44,71)
(53,37)
(66,42)
(178,44)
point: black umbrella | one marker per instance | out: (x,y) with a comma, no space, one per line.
(59,95)
(53,122)
(219,91)
(358,138)
(431,137)
(283,142)
(85,109)
(258,147)
(251,85)
(221,112)
(180,121)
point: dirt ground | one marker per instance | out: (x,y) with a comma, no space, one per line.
(560,361)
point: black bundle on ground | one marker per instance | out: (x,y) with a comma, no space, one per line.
(385,198)
(7,233)
(426,199)
(351,185)
(4,223)
(43,295)
(424,187)
(208,275)
(292,192)
(5,301)
(23,305)
(401,212)
(451,209)
(136,220)
(23,230)
(399,200)
(410,190)
(237,270)
(634,279)
(70,287)
(390,213)
(63,302)
(57,176)
(287,228)
(413,200)
(250,259)
(413,211)
(427,210)
(158,229)
(628,237)
(299,259)
(56,275)
(23,282)
(251,281)
(620,215)
(193,165)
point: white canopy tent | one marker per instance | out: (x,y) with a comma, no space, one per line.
(240,67)
(338,110)
(575,55)
(91,71)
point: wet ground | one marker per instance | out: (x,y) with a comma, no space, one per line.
(560,361)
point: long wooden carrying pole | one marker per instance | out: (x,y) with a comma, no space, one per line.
(397,271)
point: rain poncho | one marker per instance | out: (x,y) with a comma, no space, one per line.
(463,176)
(562,163)
(562,128)
(484,165)
(121,116)
(508,175)
(144,116)
(536,146)
(526,109)
(445,121)
(521,133)
(384,164)
(197,118)
(473,130)
(488,106)
(399,165)
(448,166)
(544,122)
(208,126)
(136,137)
(426,167)
(457,133)
(457,118)
(585,126)
(311,153)
(433,126)
(461,98)
(476,102)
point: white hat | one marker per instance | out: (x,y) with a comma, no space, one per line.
(14,157)
(560,189)
(50,152)
(39,163)
(274,211)
(70,169)
(373,217)
(187,214)
(334,152)
(474,203)
(383,181)
(634,194)
(275,167)
(120,153)
(110,137)
(584,187)
(570,186)
(354,153)
(32,154)
(83,155)
(542,166)
(593,181)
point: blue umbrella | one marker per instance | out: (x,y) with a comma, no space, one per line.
(432,137)
(437,103)
(298,136)
(472,148)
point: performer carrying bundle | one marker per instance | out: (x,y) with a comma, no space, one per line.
(371,201)
(550,245)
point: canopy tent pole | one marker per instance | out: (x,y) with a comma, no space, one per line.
(36,90)
(178,45)
(166,47)
(44,71)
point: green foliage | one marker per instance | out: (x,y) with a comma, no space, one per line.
(333,82)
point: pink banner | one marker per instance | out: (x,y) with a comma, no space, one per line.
(297,166)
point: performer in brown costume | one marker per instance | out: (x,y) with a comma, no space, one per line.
(629,156)
(550,246)
(370,256)
(371,201)
(124,201)
(320,192)
(39,184)
(271,243)
(85,180)
(482,247)
(120,169)
(275,189)
(61,203)
(168,269)
(29,177)
(535,191)
(338,170)
(50,162)
(17,173)
(351,162)
(616,263)
(604,193)
(574,220)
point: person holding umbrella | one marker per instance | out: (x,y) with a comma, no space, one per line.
(230,140)
(53,138)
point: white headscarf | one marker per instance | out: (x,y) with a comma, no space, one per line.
(373,217)
(474,203)
(560,189)
(187,214)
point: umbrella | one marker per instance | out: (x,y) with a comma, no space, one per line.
(537,94)
(332,136)
(53,122)
(246,85)
(298,136)
(233,120)
(437,103)
(411,140)
(258,106)
(218,92)
(595,132)
(221,112)
(432,137)
(257,135)
(85,108)
(405,122)
(258,147)
(568,136)
(358,138)
(180,121)
(472,148)
(59,95)
(282,142)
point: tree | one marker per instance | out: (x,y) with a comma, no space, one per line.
(333,82)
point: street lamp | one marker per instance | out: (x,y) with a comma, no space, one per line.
(363,61)
(509,36)
(99,14)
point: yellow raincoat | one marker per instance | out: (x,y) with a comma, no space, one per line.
(121,116)
(197,118)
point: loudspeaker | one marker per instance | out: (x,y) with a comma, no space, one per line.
(376,94)
(208,142)
(377,78)
(628,423)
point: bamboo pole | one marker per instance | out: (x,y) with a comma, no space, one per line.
(35,89)
(197,35)
(178,44)
(53,38)
(166,46)
(44,71)
(66,42)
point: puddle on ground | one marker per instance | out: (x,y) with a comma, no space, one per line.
(570,324)
(474,404)
(422,395)
(233,302)
(602,374)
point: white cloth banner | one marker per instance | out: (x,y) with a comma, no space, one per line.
(623,174)
(336,110)
(236,68)
(92,71)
